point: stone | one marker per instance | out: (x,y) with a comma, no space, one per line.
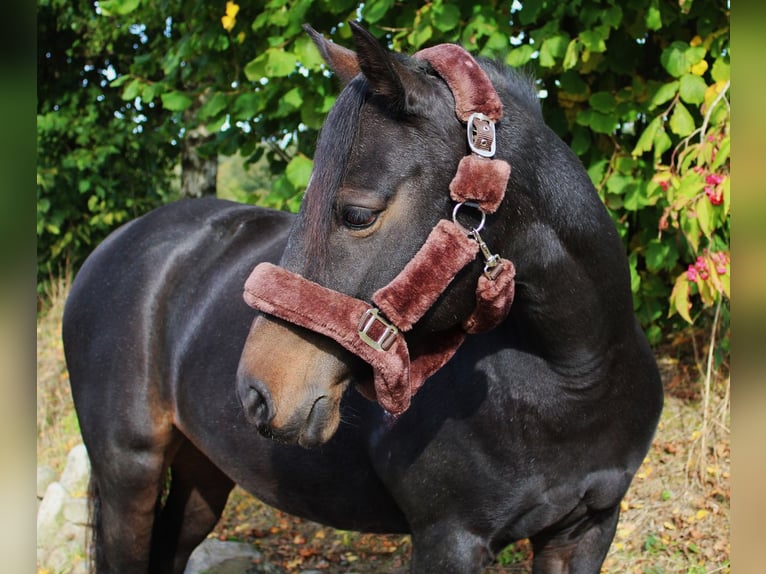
(77,472)
(45,475)
(222,557)
(50,516)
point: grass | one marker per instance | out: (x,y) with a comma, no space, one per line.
(675,517)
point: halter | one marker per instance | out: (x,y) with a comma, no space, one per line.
(375,332)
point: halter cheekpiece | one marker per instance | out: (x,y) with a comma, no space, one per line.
(375,332)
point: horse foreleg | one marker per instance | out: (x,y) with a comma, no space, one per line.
(578,550)
(197,497)
(447,549)
(124,499)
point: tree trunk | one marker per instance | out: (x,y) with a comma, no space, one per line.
(198,174)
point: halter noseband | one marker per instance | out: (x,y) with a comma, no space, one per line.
(374,333)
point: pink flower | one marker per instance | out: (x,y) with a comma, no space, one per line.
(691,273)
(715,197)
(700,264)
(721,262)
(713,178)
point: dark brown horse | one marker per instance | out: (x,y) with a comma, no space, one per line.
(490,425)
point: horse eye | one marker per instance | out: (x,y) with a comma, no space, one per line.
(358,217)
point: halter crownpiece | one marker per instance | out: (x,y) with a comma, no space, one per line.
(374,333)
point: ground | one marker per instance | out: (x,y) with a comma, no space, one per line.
(675,517)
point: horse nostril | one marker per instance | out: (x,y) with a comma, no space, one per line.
(257,404)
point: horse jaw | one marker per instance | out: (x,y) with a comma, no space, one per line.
(290,383)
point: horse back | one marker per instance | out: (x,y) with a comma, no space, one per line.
(143,295)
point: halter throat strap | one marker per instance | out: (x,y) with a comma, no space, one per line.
(374,333)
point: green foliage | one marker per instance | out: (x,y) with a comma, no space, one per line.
(639,89)
(101,160)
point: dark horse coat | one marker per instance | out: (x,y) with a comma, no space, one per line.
(532,430)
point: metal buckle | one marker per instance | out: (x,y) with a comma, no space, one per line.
(481,134)
(386,338)
(493,264)
(474,205)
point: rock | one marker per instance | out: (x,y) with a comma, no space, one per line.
(215,556)
(76,511)
(77,472)
(45,475)
(50,516)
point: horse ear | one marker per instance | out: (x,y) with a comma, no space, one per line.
(341,60)
(388,76)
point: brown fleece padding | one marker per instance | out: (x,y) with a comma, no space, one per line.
(417,287)
(469,83)
(481,180)
(493,300)
(289,296)
(399,372)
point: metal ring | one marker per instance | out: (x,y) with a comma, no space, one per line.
(475,206)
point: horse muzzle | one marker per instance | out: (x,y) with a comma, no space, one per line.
(290,383)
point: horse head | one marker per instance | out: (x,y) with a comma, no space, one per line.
(390,262)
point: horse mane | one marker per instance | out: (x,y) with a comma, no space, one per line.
(518,84)
(334,146)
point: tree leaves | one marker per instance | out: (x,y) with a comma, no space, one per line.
(627,112)
(175,101)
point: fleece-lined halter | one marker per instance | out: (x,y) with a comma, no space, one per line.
(374,332)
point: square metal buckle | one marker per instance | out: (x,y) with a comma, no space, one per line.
(481,134)
(386,338)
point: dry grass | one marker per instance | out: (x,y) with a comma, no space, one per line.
(675,517)
(57,428)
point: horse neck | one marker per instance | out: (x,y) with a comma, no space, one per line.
(572,297)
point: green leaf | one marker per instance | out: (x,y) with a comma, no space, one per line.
(724,151)
(553,48)
(721,71)
(529,11)
(119,81)
(653,16)
(175,101)
(121,7)
(595,40)
(255,69)
(150,91)
(374,10)
(681,121)
(612,16)
(280,63)
(664,93)
(213,106)
(580,140)
(692,89)
(679,298)
(273,63)
(246,106)
(662,143)
(520,55)
(603,123)
(602,102)
(635,278)
(705,215)
(646,141)
(298,171)
(132,90)
(445,17)
(572,54)
(420,36)
(694,54)
(307,53)
(673,59)
(661,255)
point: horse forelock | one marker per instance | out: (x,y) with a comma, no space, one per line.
(333,150)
